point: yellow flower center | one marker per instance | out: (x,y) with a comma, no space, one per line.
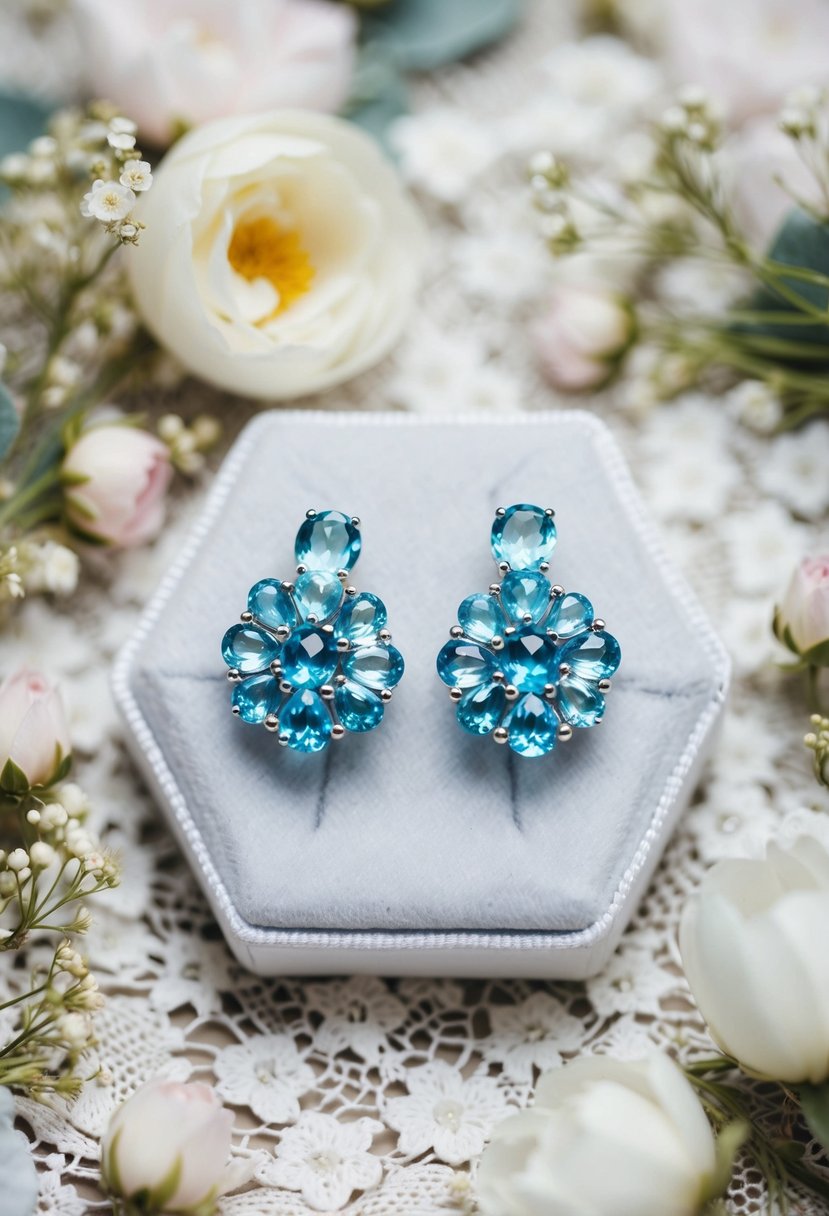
(260,249)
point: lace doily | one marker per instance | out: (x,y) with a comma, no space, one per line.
(369,1096)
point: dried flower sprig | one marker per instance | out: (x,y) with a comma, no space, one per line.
(681,207)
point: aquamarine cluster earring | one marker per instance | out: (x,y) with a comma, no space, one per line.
(311,659)
(527,661)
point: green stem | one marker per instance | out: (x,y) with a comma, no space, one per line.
(28,494)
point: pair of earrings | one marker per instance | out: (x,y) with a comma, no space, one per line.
(312,659)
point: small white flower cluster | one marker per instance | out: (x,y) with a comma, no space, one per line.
(693,117)
(188,444)
(112,198)
(817,741)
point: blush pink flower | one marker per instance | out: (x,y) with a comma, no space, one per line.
(170,64)
(802,620)
(116,478)
(33,731)
(582,336)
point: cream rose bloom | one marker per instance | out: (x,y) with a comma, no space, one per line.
(753,948)
(281,255)
(604,1136)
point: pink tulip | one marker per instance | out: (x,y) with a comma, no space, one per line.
(802,620)
(116,478)
(33,730)
(581,336)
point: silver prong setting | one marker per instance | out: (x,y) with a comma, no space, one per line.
(511,692)
(456,632)
(327,692)
(234,675)
(283,632)
(246,617)
(272,723)
(500,734)
(497,642)
(386,695)
(285,687)
(343,645)
(598,625)
(337,731)
(564,732)
(604,685)
(455,694)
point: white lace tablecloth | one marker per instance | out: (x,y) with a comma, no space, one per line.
(412,1074)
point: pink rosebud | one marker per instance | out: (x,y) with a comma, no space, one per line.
(116,478)
(582,335)
(175,63)
(167,1130)
(802,620)
(33,731)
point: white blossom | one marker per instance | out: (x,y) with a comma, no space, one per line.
(108,202)
(442,151)
(137,175)
(794,469)
(324,1159)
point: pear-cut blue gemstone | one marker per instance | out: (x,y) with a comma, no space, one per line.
(529,661)
(358,708)
(570,614)
(270,603)
(328,541)
(309,657)
(480,618)
(580,702)
(464,665)
(375,666)
(524,536)
(256,698)
(523,593)
(317,594)
(480,709)
(361,618)
(305,723)
(593,656)
(248,649)
(532,726)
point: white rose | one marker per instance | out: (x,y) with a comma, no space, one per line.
(281,255)
(168,1130)
(753,949)
(604,1136)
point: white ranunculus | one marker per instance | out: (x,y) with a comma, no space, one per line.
(281,255)
(604,1136)
(164,1128)
(753,948)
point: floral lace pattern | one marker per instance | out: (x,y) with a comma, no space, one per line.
(367,1096)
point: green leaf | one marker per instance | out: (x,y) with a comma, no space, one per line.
(22,119)
(801,241)
(12,779)
(814,1102)
(425,34)
(817,656)
(9,421)
(729,1142)
(379,95)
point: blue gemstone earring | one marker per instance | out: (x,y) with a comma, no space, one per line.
(527,661)
(312,659)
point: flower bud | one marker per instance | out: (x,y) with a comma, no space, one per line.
(116,479)
(170,1143)
(582,337)
(34,737)
(801,622)
(758,974)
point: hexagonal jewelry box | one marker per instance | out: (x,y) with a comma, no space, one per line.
(417,848)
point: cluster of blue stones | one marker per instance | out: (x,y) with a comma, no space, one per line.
(311,659)
(527,661)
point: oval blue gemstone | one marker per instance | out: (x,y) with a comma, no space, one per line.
(305,723)
(523,536)
(525,592)
(271,604)
(357,708)
(318,594)
(594,656)
(256,698)
(375,666)
(580,702)
(248,648)
(361,618)
(528,660)
(309,657)
(571,614)
(464,665)
(532,726)
(479,710)
(328,541)
(480,618)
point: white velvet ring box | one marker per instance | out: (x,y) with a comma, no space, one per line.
(417,848)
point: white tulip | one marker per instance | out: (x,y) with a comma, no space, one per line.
(33,733)
(752,944)
(281,255)
(604,1136)
(171,1141)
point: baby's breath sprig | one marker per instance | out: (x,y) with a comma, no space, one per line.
(680,207)
(188,444)
(817,741)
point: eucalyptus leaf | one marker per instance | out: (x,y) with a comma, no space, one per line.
(22,119)
(814,1101)
(425,34)
(9,421)
(380,95)
(802,241)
